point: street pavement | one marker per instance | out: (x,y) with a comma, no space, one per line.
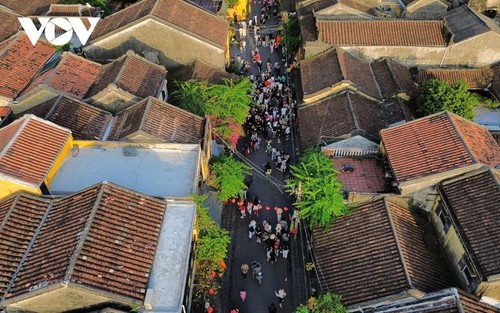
(285,273)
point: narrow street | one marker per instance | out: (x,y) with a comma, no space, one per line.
(287,274)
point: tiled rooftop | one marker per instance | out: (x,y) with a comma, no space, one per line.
(73,75)
(378,250)
(29,147)
(474,198)
(339,115)
(86,122)
(103,237)
(38,7)
(367,177)
(495,84)
(20,62)
(20,216)
(182,14)
(320,72)
(381,33)
(133,74)
(436,144)
(463,23)
(10,24)
(475,78)
(197,71)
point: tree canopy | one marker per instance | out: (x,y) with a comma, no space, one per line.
(229,176)
(440,96)
(226,104)
(325,303)
(320,200)
(290,35)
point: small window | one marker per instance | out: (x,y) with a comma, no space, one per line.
(468,273)
(443,217)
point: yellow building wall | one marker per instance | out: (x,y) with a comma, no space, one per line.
(8,188)
(241,10)
(59,161)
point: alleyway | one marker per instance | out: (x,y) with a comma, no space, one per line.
(285,273)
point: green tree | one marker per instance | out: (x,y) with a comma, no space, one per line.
(325,303)
(440,96)
(191,96)
(320,200)
(229,176)
(290,35)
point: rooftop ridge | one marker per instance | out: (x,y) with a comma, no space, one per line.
(54,106)
(460,135)
(396,238)
(164,103)
(28,249)
(2,224)
(83,236)
(25,121)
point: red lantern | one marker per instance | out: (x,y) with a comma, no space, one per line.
(213,275)
(285,208)
(226,203)
(211,292)
(268,208)
(276,208)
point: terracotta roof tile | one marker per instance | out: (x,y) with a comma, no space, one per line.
(381,33)
(367,176)
(320,72)
(104,237)
(495,84)
(20,216)
(359,257)
(19,62)
(164,121)
(475,78)
(435,144)
(32,150)
(463,23)
(471,304)
(308,31)
(180,13)
(392,78)
(10,24)
(474,199)
(369,115)
(402,76)
(73,75)
(478,140)
(131,73)
(86,122)
(324,120)
(37,7)
(358,72)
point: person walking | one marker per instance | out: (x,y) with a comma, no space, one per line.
(285,249)
(244,270)
(279,211)
(258,233)
(251,229)
(272,308)
(243,295)
(281,294)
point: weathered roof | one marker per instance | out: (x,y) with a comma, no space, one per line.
(475,78)
(20,216)
(330,68)
(103,237)
(436,144)
(449,300)
(381,32)
(495,84)
(308,31)
(131,73)
(367,176)
(473,199)
(38,7)
(10,24)
(73,75)
(316,6)
(392,78)
(463,23)
(29,147)
(86,122)
(160,119)
(72,10)
(20,61)
(339,115)
(179,13)
(198,70)
(378,250)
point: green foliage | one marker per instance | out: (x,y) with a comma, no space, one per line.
(227,104)
(191,96)
(440,96)
(325,303)
(232,3)
(95,3)
(321,199)
(290,35)
(229,176)
(63,48)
